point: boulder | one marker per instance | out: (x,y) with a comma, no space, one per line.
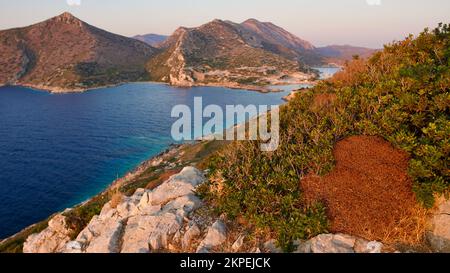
(330,243)
(216,236)
(178,185)
(363,246)
(192,232)
(183,205)
(50,240)
(107,239)
(149,232)
(438,233)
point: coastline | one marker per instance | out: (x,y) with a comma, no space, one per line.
(256,88)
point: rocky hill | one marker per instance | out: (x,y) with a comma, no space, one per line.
(223,52)
(65,53)
(279,41)
(250,53)
(154,40)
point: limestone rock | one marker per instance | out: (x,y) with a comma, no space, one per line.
(237,245)
(149,232)
(108,238)
(192,232)
(216,236)
(50,240)
(363,246)
(178,185)
(73,247)
(143,222)
(438,234)
(183,205)
(330,243)
(102,235)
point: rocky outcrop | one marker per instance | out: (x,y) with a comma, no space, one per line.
(217,234)
(438,234)
(52,239)
(338,243)
(144,222)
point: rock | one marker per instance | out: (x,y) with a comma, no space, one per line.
(303,247)
(363,246)
(50,240)
(271,246)
(178,185)
(237,245)
(329,243)
(190,234)
(149,232)
(216,236)
(106,239)
(183,205)
(438,233)
(143,222)
(256,250)
(177,237)
(73,247)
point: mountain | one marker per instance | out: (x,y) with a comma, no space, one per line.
(152,39)
(340,53)
(224,52)
(65,53)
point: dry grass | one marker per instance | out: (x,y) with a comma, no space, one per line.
(409,230)
(116,199)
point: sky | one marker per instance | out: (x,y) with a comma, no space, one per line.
(369,23)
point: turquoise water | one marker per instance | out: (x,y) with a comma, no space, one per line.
(58,150)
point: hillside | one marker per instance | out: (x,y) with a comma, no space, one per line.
(65,53)
(154,40)
(279,41)
(221,52)
(397,105)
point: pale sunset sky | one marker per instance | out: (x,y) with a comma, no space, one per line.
(369,23)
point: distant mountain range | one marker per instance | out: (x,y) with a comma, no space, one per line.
(67,54)
(152,39)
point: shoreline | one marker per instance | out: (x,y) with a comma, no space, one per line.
(255,88)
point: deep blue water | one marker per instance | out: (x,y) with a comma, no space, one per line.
(58,150)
